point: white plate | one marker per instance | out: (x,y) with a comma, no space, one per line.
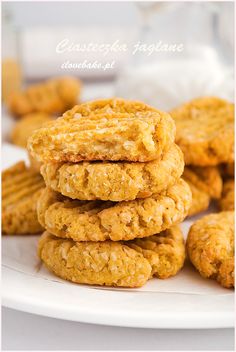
(185,301)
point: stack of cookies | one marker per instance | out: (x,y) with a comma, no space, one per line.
(205,133)
(114,195)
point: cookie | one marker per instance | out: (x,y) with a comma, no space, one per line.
(105,134)
(205,131)
(165,251)
(24,127)
(100,220)
(108,106)
(200,200)
(206,179)
(54,96)
(227,199)
(210,247)
(34,164)
(205,183)
(115,181)
(125,264)
(21,189)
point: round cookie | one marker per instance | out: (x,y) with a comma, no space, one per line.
(125,264)
(21,189)
(121,130)
(25,127)
(205,131)
(210,247)
(227,199)
(100,221)
(115,181)
(52,97)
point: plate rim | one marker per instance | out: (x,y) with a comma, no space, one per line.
(166,320)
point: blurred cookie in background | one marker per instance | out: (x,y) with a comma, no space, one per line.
(25,127)
(205,131)
(200,200)
(11,78)
(226,201)
(205,184)
(53,96)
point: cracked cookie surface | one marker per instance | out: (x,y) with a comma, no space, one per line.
(21,188)
(205,131)
(210,247)
(115,181)
(119,130)
(102,220)
(125,264)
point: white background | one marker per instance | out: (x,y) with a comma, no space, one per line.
(23,331)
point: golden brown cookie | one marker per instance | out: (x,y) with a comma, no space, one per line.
(210,247)
(52,97)
(108,106)
(200,200)
(205,131)
(115,181)
(205,183)
(227,199)
(20,191)
(24,127)
(34,164)
(207,179)
(100,220)
(164,251)
(125,264)
(141,133)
